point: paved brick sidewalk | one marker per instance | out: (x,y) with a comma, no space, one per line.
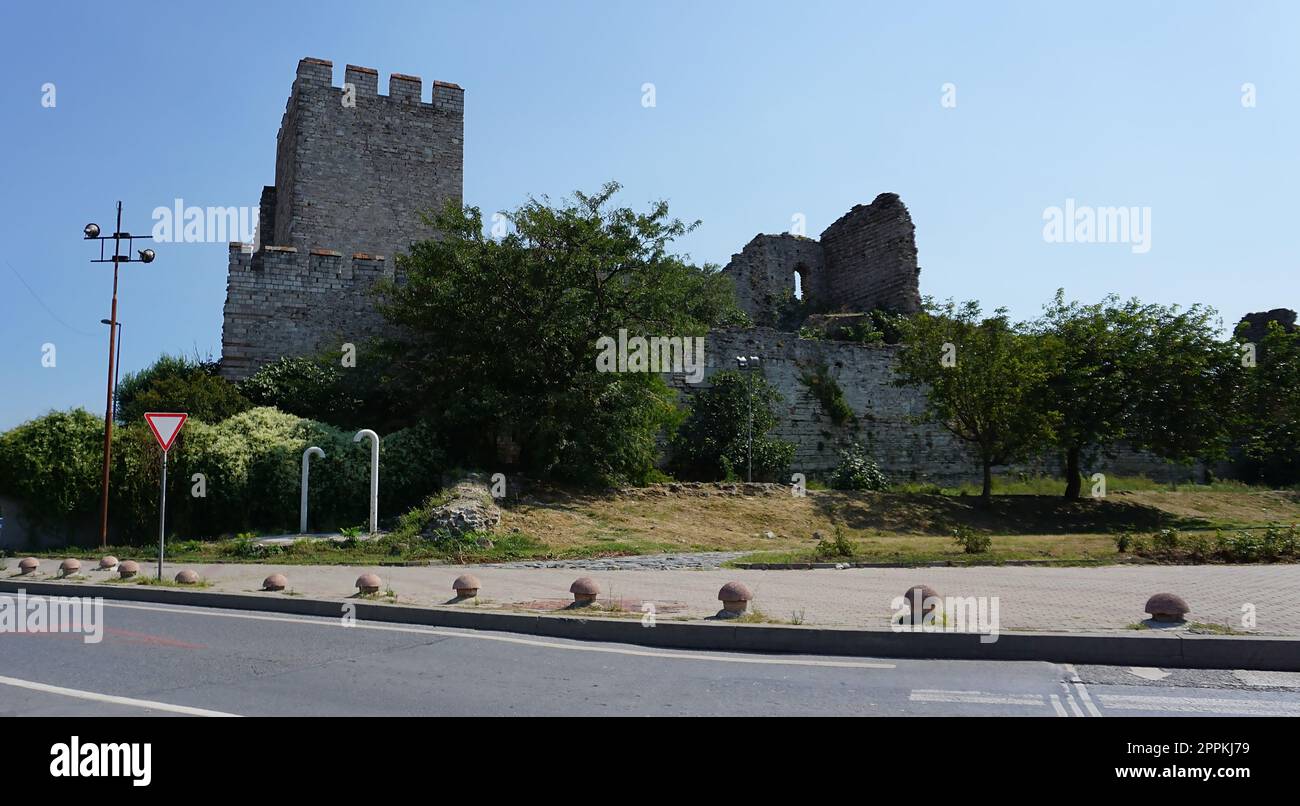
(1068,599)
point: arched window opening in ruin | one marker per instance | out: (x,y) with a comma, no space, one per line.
(799,276)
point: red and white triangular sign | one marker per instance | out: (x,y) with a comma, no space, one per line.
(165,425)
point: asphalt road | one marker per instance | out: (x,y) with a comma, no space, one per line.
(164,660)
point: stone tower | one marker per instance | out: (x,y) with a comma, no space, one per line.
(354,172)
(864,261)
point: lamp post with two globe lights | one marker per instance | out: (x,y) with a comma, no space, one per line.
(749,366)
(92,233)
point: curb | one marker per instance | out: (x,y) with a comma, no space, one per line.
(1168,650)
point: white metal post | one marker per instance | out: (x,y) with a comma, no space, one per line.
(374,475)
(306,464)
(162,514)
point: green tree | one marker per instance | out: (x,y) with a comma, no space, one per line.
(1269,418)
(984,382)
(498,337)
(178,383)
(713,441)
(1153,376)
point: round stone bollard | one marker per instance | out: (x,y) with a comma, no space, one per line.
(107,563)
(28,565)
(917,609)
(128,568)
(1167,607)
(584,590)
(275,582)
(69,567)
(369,583)
(466,586)
(187,577)
(735,598)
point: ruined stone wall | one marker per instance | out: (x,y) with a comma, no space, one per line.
(764,271)
(871,258)
(354,172)
(906,451)
(864,261)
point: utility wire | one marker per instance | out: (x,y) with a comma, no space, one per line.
(47,308)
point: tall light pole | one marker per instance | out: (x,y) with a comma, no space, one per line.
(146,256)
(749,366)
(117,369)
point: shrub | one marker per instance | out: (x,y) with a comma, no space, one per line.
(857,470)
(839,546)
(301,386)
(1165,541)
(53,464)
(972,542)
(711,442)
(830,396)
(250,463)
(177,383)
(1123,541)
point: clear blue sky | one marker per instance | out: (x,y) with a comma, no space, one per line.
(764,110)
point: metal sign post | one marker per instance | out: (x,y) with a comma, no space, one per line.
(162,513)
(165,426)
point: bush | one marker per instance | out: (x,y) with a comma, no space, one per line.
(250,465)
(301,386)
(972,542)
(837,547)
(1165,541)
(712,440)
(177,383)
(857,470)
(54,463)
(1123,541)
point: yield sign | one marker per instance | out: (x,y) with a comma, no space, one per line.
(165,426)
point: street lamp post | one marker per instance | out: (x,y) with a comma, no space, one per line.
(117,369)
(146,256)
(749,366)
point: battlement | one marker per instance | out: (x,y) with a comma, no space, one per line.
(355,171)
(316,75)
(282,301)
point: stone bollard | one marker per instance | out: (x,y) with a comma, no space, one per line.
(107,563)
(28,565)
(466,586)
(69,567)
(275,582)
(584,590)
(735,598)
(918,609)
(1168,607)
(369,583)
(128,568)
(187,577)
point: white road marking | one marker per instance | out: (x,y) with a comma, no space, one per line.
(1056,703)
(974,697)
(363,625)
(1083,690)
(1207,705)
(1069,697)
(109,698)
(1148,673)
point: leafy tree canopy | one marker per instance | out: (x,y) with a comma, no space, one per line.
(499,335)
